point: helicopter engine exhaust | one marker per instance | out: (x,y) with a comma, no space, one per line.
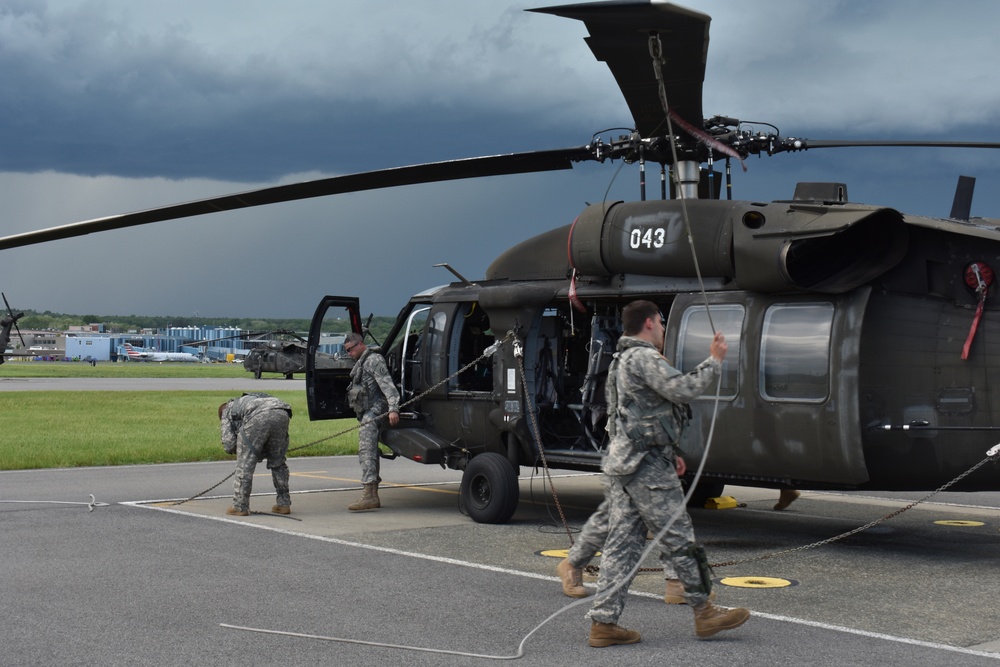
(780,247)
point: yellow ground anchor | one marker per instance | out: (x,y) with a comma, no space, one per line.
(755,582)
(959,522)
(558,553)
(721,503)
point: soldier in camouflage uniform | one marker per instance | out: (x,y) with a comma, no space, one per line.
(647,399)
(255,426)
(591,540)
(371,395)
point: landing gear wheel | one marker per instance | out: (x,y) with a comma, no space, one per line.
(489,491)
(706,489)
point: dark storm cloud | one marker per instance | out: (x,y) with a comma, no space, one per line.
(113,106)
(87,93)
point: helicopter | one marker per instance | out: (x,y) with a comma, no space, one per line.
(277,356)
(859,347)
(285,354)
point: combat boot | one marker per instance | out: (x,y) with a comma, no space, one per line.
(674,592)
(709,619)
(235,511)
(611,634)
(572,579)
(786,497)
(281,509)
(368,500)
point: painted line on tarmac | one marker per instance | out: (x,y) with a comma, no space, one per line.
(543,577)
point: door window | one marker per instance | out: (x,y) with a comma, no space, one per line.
(795,352)
(695,339)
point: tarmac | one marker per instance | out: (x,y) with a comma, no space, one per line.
(115,566)
(130,576)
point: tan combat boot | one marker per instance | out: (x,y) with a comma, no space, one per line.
(368,500)
(611,634)
(572,579)
(674,592)
(786,497)
(709,619)
(281,509)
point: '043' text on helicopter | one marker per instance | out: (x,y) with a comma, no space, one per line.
(856,359)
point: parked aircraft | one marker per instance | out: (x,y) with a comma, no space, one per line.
(862,339)
(143,355)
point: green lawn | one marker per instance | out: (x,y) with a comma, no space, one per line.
(58,429)
(123,369)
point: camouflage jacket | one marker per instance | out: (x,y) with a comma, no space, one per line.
(644,376)
(243,409)
(371,386)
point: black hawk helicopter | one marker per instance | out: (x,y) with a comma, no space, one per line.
(856,350)
(277,356)
(279,351)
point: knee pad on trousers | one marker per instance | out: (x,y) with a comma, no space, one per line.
(696,552)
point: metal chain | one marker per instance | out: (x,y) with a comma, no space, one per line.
(594,569)
(862,528)
(488,352)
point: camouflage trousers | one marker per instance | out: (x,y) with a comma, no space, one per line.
(594,534)
(368,446)
(264,435)
(650,497)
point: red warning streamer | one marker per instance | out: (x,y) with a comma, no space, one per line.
(978,276)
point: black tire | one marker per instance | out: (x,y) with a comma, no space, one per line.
(706,489)
(489,491)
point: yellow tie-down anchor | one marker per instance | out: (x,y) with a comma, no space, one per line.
(721,503)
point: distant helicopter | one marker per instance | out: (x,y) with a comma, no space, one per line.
(277,356)
(858,355)
(285,354)
(8,321)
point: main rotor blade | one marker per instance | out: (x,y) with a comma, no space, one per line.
(430,172)
(619,36)
(806,144)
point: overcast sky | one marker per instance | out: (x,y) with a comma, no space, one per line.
(114,106)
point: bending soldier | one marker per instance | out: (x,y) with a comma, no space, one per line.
(255,426)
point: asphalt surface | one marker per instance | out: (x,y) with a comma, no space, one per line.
(102,566)
(134,578)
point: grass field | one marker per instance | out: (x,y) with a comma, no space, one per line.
(59,429)
(132,369)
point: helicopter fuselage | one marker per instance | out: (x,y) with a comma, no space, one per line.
(846,327)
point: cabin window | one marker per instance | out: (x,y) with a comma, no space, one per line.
(695,339)
(795,352)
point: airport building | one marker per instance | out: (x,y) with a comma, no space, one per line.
(92,342)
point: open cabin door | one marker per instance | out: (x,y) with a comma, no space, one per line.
(328,371)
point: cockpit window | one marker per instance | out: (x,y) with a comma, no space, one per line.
(471,337)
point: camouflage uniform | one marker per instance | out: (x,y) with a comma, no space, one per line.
(642,484)
(594,534)
(255,426)
(372,393)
